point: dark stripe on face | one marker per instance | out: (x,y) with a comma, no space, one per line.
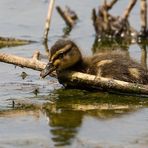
(60,53)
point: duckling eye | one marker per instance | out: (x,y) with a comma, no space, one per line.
(60,56)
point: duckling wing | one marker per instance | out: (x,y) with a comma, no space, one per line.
(118,67)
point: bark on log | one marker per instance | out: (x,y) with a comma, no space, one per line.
(81,80)
(78,79)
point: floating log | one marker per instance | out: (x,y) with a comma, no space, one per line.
(78,79)
(6,42)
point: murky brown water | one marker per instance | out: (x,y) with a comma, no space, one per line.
(68,118)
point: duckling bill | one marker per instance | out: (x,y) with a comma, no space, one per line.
(65,55)
(48,69)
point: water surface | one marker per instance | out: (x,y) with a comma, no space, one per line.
(59,117)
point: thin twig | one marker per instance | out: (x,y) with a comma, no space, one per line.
(143,14)
(70,19)
(36,55)
(48,20)
(111,4)
(143,55)
(128,9)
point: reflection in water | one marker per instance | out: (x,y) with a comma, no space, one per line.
(108,45)
(66,31)
(64,125)
(67,111)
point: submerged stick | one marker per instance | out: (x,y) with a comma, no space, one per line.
(48,20)
(78,79)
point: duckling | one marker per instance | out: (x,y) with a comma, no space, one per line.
(65,55)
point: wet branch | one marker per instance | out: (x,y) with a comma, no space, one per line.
(48,19)
(32,63)
(107,25)
(68,16)
(123,20)
(77,79)
(128,9)
(82,80)
(111,4)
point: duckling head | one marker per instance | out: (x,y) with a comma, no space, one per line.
(64,54)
